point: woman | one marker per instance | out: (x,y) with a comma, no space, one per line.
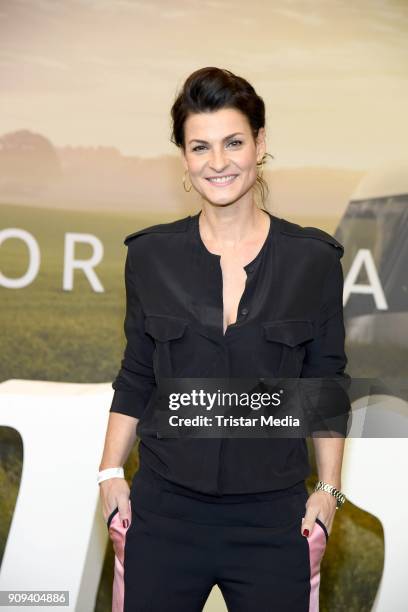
(232,292)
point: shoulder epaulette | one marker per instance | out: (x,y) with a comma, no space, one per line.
(180,225)
(294,229)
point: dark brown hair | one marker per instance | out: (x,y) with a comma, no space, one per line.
(210,89)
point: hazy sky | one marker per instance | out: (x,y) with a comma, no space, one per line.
(333,74)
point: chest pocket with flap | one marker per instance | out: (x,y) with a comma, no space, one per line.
(167,332)
(290,336)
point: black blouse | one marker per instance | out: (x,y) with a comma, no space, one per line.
(289,324)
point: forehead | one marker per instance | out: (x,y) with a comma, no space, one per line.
(216,124)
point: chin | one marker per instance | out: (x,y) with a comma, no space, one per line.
(225,201)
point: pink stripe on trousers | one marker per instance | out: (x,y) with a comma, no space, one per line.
(117,534)
(317,545)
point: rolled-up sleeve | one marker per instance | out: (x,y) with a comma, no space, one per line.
(328,403)
(135,381)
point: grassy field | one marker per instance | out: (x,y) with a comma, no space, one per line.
(52,334)
(77,336)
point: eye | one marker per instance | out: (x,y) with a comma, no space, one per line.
(236,141)
(198,147)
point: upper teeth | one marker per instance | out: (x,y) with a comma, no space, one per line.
(222,179)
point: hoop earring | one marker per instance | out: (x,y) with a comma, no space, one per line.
(184,183)
(260,175)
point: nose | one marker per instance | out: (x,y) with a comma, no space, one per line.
(218,160)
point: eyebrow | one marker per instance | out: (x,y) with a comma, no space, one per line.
(226,138)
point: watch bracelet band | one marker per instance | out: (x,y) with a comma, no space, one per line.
(324,486)
(114,472)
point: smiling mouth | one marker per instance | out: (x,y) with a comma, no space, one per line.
(222,180)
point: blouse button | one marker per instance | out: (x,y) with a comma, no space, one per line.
(244,311)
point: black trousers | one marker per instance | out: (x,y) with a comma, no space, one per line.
(178,546)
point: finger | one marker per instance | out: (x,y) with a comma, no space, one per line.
(308,522)
(125,514)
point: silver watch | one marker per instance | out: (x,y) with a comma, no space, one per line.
(324,486)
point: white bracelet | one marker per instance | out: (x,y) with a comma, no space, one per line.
(115,472)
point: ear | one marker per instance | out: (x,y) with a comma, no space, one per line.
(184,160)
(261,143)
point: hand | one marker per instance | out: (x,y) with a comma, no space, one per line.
(115,493)
(322,505)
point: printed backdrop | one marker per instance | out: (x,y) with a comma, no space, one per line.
(86,88)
